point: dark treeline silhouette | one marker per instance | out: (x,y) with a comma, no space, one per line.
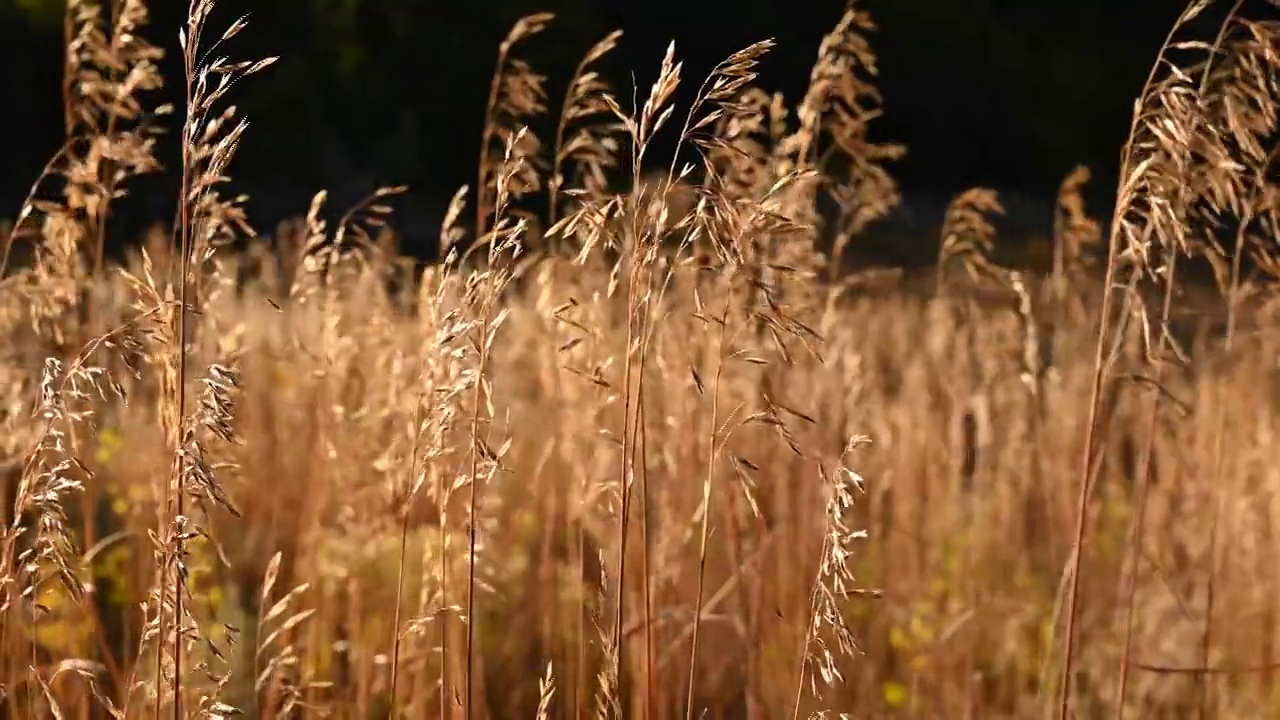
(368,92)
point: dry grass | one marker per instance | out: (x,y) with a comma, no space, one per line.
(614,468)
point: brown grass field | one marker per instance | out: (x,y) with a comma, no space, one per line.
(645,454)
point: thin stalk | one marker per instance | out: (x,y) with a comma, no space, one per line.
(1095,392)
(1143,470)
(473,516)
(404,537)
(486,139)
(478,398)
(706,505)
(100,229)
(808,632)
(633,256)
(558,155)
(1148,448)
(395,645)
(581,678)
(25,213)
(443,565)
(642,449)
(649,327)
(173,489)
(1219,462)
(624,477)
(1082,503)
(1233,292)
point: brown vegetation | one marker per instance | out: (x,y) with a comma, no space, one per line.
(615,468)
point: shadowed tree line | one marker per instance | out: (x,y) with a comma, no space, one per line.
(369,92)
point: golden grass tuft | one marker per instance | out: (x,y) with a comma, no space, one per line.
(662,458)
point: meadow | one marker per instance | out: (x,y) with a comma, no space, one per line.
(638,445)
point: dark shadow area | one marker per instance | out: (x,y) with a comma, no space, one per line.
(1010,95)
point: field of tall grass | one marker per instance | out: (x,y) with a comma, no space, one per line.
(637,447)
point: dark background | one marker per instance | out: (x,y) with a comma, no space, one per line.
(994,92)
